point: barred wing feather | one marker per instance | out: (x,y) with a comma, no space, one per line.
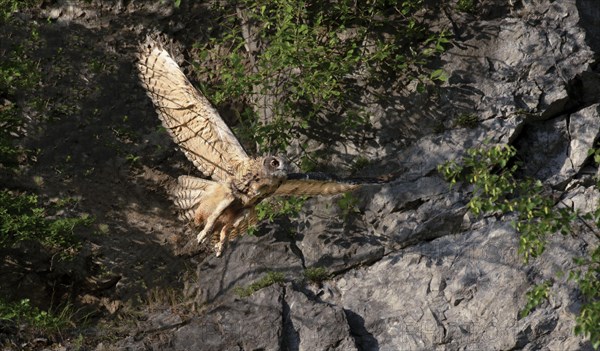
(188,116)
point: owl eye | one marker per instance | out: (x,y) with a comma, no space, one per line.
(275,163)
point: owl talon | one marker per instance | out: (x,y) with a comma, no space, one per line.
(222,240)
(218,249)
(201,236)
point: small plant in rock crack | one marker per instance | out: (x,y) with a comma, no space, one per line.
(466,120)
(316,274)
(496,190)
(359,163)
(535,297)
(274,207)
(348,204)
(269,279)
(467,6)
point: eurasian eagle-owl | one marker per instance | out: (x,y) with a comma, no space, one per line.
(225,204)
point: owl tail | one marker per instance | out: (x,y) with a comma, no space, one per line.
(188,193)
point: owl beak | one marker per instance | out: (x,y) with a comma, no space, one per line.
(284,167)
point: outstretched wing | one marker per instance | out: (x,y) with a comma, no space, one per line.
(320,184)
(188,116)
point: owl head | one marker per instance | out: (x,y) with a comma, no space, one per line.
(264,181)
(274,166)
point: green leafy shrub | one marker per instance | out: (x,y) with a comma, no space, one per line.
(535,297)
(10,124)
(298,61)
(23,218)
(587,277)
(495,190)
(8,7)
(19,75)
(31,320)
(18,71)
(491,172)
(281,206)
(274,207)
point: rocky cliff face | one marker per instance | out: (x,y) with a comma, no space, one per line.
(412,269)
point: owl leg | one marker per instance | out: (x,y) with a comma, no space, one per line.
(243,222)
(222,240)
(212,219)
(229,231)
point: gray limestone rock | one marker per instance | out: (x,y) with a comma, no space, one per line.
(315,325)
(244,262)
(252,323)
(456,292)
(557,149)
(328,237)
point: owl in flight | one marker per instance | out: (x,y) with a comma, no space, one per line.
(224,206)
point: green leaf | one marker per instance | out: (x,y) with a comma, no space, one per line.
(439,74)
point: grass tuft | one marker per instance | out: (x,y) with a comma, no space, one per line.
(269,279)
